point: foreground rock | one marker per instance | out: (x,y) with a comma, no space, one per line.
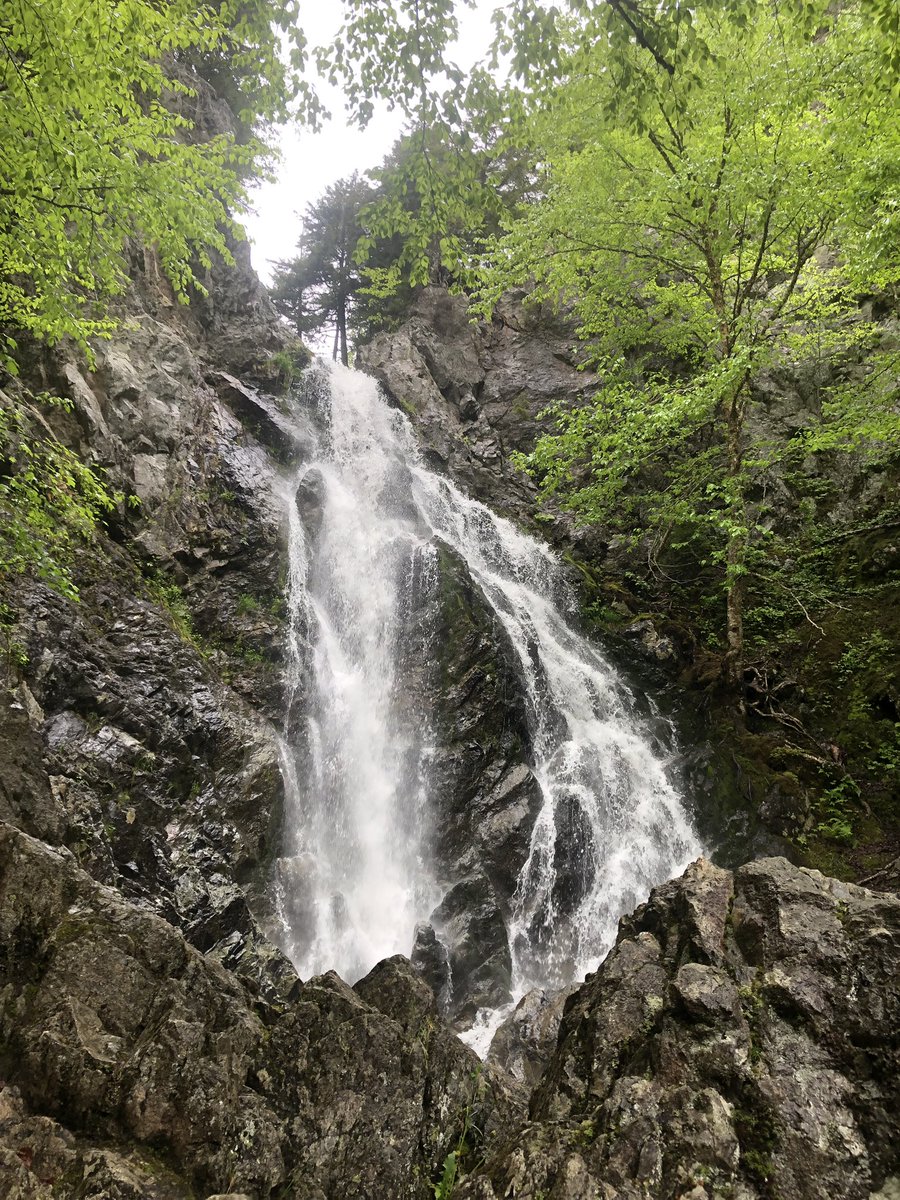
(136,1068)
(525,1042)
(741,1040)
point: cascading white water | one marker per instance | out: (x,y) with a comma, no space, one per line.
(354,880)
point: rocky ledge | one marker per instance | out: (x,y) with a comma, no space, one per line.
(742,1040)
(134,1067)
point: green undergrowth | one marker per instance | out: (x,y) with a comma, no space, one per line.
(461,1158)
(165,592)
(51,502)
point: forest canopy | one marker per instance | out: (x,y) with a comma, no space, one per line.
(710,202)
(99,100)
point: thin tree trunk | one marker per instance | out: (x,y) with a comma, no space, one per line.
(736,547)
(342,330)
(736,551)
(734,602)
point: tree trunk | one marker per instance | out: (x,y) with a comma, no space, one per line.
(736,550)
(736,547)
(734,602)
(342,330)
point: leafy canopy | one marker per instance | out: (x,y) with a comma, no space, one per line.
(102,140)
(99,146)
(701,223)
(483,116)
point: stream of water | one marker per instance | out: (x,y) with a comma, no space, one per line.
(355,877)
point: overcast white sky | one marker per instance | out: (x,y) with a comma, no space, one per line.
(311,162)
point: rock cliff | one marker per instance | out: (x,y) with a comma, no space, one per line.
(740,1040)
(135,1066)
(139,721)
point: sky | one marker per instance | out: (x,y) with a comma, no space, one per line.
(312,161)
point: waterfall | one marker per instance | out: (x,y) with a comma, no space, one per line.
(352,881)
(355,878)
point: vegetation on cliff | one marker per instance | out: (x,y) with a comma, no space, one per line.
(103,142)
(687,219)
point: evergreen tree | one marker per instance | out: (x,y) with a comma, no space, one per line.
(319,287)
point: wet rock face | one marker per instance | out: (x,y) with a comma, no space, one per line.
(525,1042)
(141,730)
(484,797)
(475,391)
(741,1039)
(138,1065)
(126,748)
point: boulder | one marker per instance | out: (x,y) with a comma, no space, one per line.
(741,1039)
(133,1061)
(524,1043)
(476,391)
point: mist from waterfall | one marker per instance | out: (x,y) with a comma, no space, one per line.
(355,879)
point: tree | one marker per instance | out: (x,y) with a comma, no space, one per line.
(98,145)
(450,182)
(438,209)
(685,218)
(319,287)
(354,278)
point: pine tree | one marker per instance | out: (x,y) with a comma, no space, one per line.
(319,287)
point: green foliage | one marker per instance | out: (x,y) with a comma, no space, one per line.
(50,501)
(250,655)
(451,1170)
(169,596)
(366,246)
(288,365)
(443,1189)
(482,128)
(683,215)
(452,180)
(98,147)
(872,653)
(884,761)
(835,806)
(870,667)
(860,416)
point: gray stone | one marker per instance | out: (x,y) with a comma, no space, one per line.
(739,1040)
(526,1040)
(123,1041)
